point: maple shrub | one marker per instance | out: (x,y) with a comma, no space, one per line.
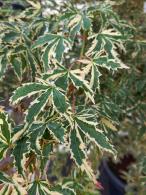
(58,61)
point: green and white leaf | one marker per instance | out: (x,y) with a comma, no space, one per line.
(76,20)
(106,44)
(64,189)
(57,130)
(77,147)
(36,131)
(61,76)
(5,134)
(79,82)
(94,134)
(56,45)
(16,63)
(3,65)
(78,153)
(19,152)
(91,67)
(59,100)
(10,185)
(41,188)
(37,106)
(27,90)
(10,36)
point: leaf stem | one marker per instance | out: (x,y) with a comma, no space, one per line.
(83,45)
(73,101)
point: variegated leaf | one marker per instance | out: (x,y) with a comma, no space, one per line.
(20,150)
(77,20)
(78,153)
(94,134)
(59,75)
(77,147)
(79,82)
(5,134)
(59,100)
(27,90)
(95,74)
(11,185)
(10,36)
(107,43)
(36,131)
(64,189)
(108,123)
(3,65)
(105,62)
(63,76)
(16,63)
(37,106)
(56,46)
(41,188)
(57,130)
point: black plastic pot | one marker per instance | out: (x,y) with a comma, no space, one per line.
(112,185)
(15,6)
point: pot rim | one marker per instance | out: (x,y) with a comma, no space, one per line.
(112,176)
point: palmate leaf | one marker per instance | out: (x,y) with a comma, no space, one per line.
(77,20)
(11,185)
(20,150)
(37,106)
(59,76)
(104,49)
(64,189)
(41,188)
(99,61)
(63,77)
(95,63)
(5,134)
(56,45)
(77,147)
(57,130)
(91,68)
(78,152)
(94,134)
(48,92)
(105,62)
(106,12)
(59,100)
(35,133)
(27,90)
(110,18)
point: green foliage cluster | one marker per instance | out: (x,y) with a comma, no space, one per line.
(71,65)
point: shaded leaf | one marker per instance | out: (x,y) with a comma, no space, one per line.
(17,68)
(57,130)
(19,152)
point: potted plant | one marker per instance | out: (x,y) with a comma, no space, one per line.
(62,62)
